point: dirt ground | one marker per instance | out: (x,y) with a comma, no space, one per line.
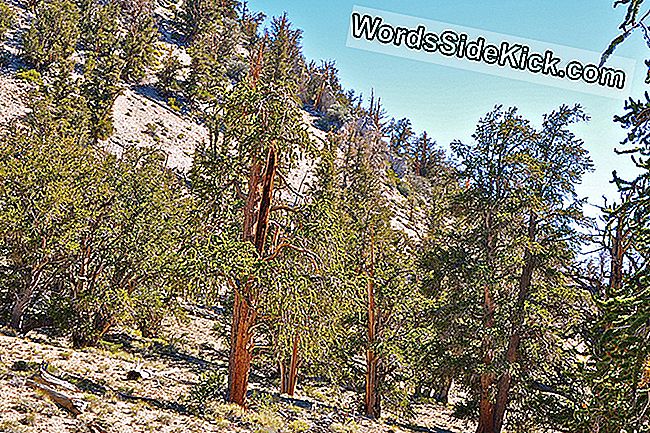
(161,402)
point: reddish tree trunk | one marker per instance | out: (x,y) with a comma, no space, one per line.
(492,414)
(256,219)
(241,350)
(372,398)
(525,281)
(289,370)
(486,405)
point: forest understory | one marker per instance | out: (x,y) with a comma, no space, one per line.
(166,393)
(157,155)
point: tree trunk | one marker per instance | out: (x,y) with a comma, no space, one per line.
(241,350)
(617,253)
(18,310)
(486,405)
(372,398)
(504,384)
(24,298)
(442,391)
(256,219)
(289,370)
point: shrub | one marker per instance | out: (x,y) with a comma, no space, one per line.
(31,76)
(173,104)
(299,426)
(210,387)
(7,17)
(53,35)
(265,420)
(349,427)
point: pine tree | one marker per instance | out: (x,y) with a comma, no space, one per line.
(91,239)
(199,17)
(621,337)
(141,36)
(7,17)
(424,155)
(378,272)
(53,35)
(634,20)
(215,63)
(310,301)
(103,68)
(514,231)
(256,133)
(400,133)
(285,61)
(167,75)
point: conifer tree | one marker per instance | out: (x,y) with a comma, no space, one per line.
(140,39)
(7,17)
(424,155)
(400,133)
(620,362)
(91,239)
(634,21)
(167,75)
(256,134)
(378,274)
(518,213)
(285,61)
(215,63)
(53,35)
(250,23)
(103,69)
(199,17)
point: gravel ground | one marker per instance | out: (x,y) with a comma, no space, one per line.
(189,348)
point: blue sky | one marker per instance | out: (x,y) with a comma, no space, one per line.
(447,102)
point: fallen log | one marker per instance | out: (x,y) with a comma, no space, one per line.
(73,405)
(49,379)
(46,382)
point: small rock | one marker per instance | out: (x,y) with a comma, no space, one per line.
(138,375)
(133,375)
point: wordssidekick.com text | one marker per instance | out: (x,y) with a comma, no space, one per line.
(516,56)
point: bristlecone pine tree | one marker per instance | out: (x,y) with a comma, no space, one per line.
(514,230)
(257,134)
(620,357)
(379,257)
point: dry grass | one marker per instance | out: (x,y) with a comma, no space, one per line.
(189,349)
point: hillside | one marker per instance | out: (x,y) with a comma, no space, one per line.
(172,367)
(202,230)
(175,366)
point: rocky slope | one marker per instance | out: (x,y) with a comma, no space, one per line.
(176,365)
(171,370)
